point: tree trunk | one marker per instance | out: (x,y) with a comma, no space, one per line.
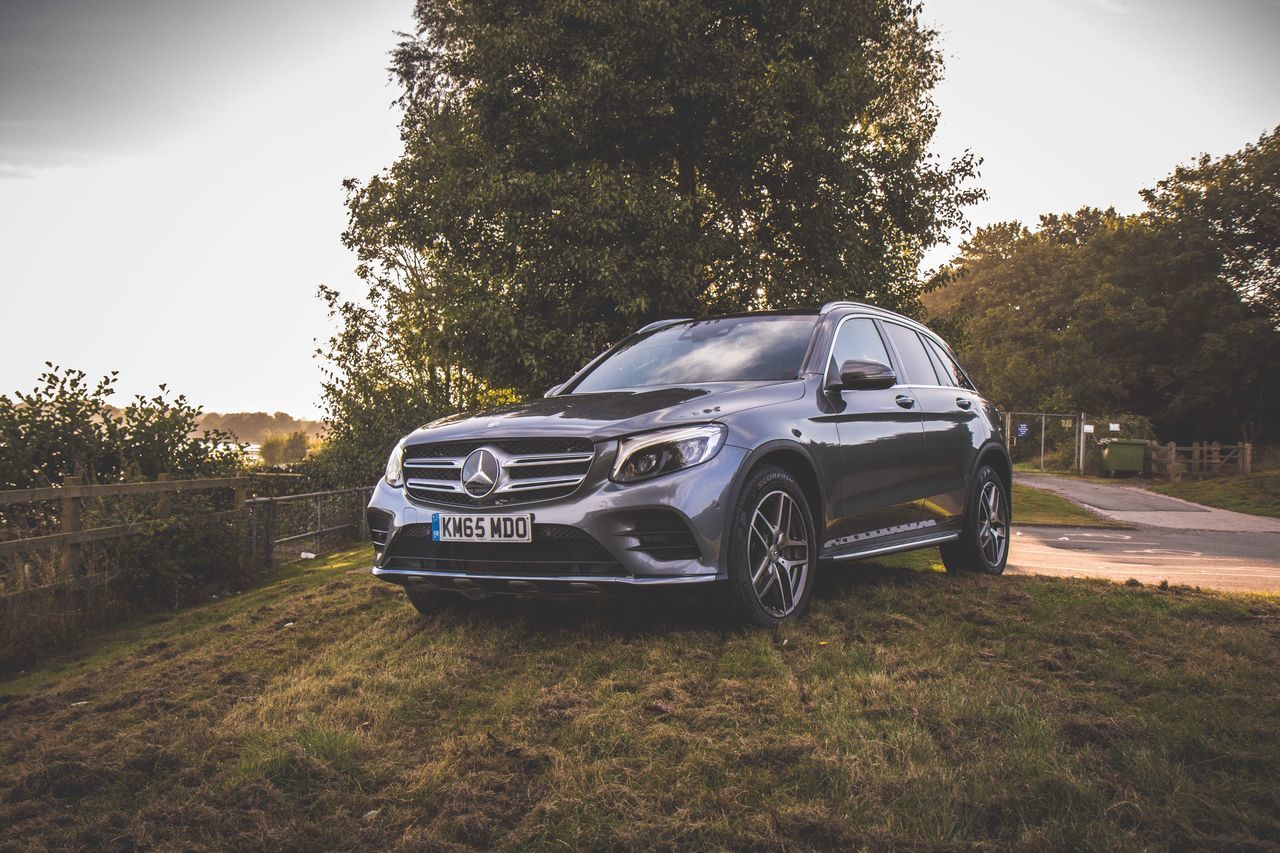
(688,177)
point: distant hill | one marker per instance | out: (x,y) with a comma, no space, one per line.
(253,427)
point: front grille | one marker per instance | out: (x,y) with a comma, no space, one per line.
(556,549)
(662,535)
(533,469)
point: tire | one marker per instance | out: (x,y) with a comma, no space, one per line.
(983,545)
(772,565)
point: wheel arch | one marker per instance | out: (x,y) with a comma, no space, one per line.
(995,454)
(795,459)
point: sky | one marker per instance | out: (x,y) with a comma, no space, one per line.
(170,170)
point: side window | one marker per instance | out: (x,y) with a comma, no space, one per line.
(858,338)
(947,367)
(915,360)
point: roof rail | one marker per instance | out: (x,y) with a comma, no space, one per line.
(841,303)
(658,324)
(831,306)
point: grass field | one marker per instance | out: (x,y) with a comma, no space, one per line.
(1036,506)
(1258,494)
(910,709)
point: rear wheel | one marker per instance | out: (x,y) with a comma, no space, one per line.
(983,545)
(772,551)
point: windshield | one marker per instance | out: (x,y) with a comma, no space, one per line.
(766,348)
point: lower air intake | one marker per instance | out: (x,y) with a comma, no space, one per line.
(556,549)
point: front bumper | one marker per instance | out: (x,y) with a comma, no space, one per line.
(605,510)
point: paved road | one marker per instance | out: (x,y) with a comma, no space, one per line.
(1135,505)
(1172,540)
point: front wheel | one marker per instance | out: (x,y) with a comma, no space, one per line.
(773,555)
(983,545)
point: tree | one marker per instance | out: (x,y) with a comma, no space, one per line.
(1100,312)
(1232,204)
(283,448)
(572,170)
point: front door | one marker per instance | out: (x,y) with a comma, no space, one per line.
(881,443)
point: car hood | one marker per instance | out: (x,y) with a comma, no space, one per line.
(609,414)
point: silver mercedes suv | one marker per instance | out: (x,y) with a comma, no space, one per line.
(739,450)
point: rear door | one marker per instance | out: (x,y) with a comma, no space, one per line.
(877,488)
(950,414)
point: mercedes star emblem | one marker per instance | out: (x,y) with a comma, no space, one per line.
(480,473)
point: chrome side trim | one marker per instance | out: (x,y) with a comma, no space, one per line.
(897,546)
(428,574)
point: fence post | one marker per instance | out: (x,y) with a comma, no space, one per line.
(241,492)
(1246,459)
(1215,457)
(1080,446)
(253,537)
(270,533)
(71,504)
(1041,442)
(164,507)
(319,526)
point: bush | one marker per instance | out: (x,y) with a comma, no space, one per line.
(67,427)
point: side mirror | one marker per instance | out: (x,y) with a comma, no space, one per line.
(857,375)
(553,390)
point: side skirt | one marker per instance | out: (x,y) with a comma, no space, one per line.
(905,545)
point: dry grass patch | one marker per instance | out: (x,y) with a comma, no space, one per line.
(911,709)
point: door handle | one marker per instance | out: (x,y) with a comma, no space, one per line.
(964,402)
(904,401)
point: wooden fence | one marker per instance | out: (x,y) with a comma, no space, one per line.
(1200,460)
(261,513)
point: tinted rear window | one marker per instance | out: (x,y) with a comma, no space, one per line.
(947,367)
(915,361)
(732,349)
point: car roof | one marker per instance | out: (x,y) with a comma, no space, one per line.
(838,308)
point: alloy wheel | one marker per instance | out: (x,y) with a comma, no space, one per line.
(778,553)
(993,525)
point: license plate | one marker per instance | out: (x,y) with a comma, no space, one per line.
(454,527)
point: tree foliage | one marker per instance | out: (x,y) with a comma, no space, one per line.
(66,426)
(1231,204)
(572,170)
(1164,314)
(256,426)
(386,373)
(282,448)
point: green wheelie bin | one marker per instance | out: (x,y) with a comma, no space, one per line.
(1123,456)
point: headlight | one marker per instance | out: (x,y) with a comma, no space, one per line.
(395,467)
(643,456)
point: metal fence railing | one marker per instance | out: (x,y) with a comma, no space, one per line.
(314,517)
